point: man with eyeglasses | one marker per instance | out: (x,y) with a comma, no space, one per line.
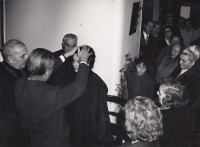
(69,42)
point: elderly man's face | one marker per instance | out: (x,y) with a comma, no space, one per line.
(69,44)
(186,60)
(19,57)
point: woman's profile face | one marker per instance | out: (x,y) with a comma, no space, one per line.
(75,62)
(161,94)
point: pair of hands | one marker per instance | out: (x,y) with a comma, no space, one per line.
(82,54)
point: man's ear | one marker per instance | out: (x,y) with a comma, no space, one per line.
(63,45)
(10,59)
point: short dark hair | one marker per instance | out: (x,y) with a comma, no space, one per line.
(157,23)
(149,20)
(39,61)
(167,26)
(141,59)
(178,36)
(92,57)
(72,36)
(9,46)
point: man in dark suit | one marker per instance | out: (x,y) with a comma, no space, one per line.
(189,75)
(40,105)
(147,39)
(65,74)
(12,68)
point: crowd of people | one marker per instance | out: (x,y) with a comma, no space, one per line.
(56,100)
(167,72)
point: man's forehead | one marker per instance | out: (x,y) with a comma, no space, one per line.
(186,54)
(19,48)
(70,40)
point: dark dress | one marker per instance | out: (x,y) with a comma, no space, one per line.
(177,126)
(140,85)
(88,116)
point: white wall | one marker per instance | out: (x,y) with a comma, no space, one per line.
(102,24)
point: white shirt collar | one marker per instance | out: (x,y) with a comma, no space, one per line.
(145,35)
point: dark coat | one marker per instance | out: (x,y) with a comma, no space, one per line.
(146,49)
(40,108)
(140,85)
(11,132)
(65,74)
(191,79)
(177,126)
(88,116)
(159,44)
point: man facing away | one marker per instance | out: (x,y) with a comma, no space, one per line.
(40,105)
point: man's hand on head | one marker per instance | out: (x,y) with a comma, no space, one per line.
(84,53)
(71,52)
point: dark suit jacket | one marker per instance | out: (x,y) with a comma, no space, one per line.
(58,53)
(40,108)
(65,74)
(191,79)
(147,49)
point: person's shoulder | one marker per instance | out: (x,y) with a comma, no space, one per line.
(96,79)
(21,80)
(58,53)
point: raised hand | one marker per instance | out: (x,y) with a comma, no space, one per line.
(71,52)
(84,54)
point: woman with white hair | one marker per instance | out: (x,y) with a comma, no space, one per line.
(178,117)
(188,74)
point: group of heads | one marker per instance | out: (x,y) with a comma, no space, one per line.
(40,62)
(69,42)
(144,119)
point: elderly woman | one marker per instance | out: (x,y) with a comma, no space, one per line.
(169,63)
(143,122)
(177,115)
(188,74)
(88,116)
(167,49)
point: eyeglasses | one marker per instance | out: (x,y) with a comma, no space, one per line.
(167,31)
(68,45)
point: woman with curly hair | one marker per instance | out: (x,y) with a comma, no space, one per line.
(178,116)
(143,123)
